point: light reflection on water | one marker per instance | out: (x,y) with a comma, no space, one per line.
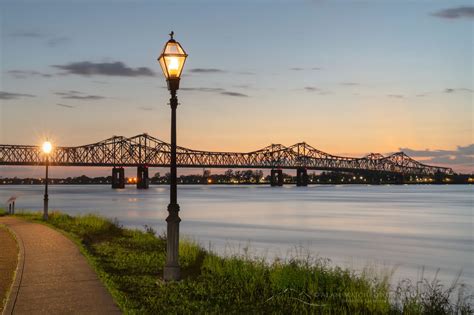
(355,226)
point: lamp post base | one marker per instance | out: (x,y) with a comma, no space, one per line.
(171,270)
(45,208)
(171,273)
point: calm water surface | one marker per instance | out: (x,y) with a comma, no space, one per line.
(411,228)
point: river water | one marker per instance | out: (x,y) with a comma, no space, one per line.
(409,229)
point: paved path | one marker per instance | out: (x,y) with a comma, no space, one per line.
(53,276)
(8,262)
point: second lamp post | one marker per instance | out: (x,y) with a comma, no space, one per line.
(47,147)
(172,61)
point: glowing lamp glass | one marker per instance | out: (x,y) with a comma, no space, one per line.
(47,147)
(172,60)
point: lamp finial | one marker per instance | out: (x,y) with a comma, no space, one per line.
(171,34)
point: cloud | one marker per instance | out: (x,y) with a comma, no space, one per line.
(84,97)
(445,91)
(214,90)
(206,70)
(87,68)
(55,41)
(145,108)
(245,72)
(234,94)
(450,90)
(51,40)
(27,34)
(469,149)
(203,89)
(65,105)
(396,96)
(13,96)
(349,83)
(462,157)
(242,86)
(316,90)
(456,13)
(302,69)
(76,95)
(23,74)
(216,70)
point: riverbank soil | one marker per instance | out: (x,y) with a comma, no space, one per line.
(8,262)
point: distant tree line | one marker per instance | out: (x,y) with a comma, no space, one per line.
(255,177)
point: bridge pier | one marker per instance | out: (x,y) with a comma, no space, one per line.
(118,177)
(301,177)
(142,177)
(276,178)
(438,178)
(374,178)
(400,179)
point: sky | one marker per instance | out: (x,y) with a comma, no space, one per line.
(347,77)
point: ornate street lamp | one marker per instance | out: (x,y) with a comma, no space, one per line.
(172,61)
(47,148)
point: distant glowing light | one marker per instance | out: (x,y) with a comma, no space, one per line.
(47,147)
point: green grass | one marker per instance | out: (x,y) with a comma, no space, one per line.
(130,263)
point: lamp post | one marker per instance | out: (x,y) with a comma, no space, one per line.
(172,61)
(47,147)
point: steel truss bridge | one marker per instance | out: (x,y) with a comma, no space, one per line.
(145,150)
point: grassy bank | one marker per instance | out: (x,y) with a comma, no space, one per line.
(130,262)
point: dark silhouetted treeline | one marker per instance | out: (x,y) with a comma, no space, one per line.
(256,177)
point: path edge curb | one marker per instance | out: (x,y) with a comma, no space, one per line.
(18,274)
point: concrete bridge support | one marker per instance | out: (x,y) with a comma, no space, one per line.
(438,178)
(400,179)
(143,181)
(301,176)
(374,178)
(276,178)
(118,177)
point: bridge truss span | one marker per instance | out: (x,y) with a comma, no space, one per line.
(146,150)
